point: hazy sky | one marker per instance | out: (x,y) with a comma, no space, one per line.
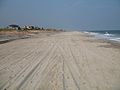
(66,14)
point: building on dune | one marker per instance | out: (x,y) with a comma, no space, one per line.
(13,26)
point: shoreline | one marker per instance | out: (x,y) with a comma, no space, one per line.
(33,33)
(114,44)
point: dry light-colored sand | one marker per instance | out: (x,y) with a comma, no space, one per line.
(62,61)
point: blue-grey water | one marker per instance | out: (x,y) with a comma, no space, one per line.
(113,35)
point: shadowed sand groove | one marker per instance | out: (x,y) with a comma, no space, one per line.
(61,61)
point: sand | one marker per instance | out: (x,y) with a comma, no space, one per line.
(61,61)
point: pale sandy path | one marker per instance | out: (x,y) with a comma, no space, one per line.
(63,61)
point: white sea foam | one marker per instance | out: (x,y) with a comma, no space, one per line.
(91,33)
(116,39)
(105,35)
(109,35)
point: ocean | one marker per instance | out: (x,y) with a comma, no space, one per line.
(113,35)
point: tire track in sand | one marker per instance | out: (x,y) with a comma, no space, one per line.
(15,82)
(72,70)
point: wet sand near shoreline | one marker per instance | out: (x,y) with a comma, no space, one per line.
(59,61)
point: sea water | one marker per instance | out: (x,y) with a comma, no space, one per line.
(113,35)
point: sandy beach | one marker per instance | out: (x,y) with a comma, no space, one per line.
(59,61)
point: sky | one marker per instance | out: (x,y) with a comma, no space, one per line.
(62,14)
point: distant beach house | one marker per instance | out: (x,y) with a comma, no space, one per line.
(13,26)
(29,27)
